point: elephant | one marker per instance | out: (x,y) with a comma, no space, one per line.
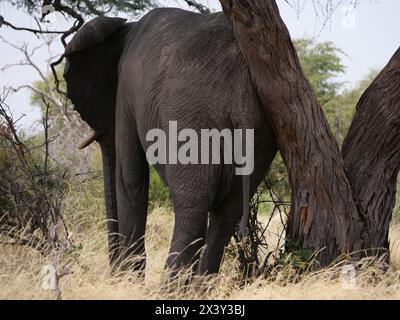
(126,79)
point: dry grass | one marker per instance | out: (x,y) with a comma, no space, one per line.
(89,276)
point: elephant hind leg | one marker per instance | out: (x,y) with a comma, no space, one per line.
(222,225)
(191,219)
(132,180)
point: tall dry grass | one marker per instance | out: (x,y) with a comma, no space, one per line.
(88,274)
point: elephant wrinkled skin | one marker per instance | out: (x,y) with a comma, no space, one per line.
(172,65)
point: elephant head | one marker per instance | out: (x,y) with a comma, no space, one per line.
(91,73)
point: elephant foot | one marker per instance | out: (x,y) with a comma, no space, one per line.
(131,267)
(186,281)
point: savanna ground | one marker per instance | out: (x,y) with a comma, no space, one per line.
(87,273)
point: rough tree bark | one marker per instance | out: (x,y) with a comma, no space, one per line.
(323,214)
(371,152)
(338,206)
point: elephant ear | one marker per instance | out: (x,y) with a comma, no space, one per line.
(93,33)
(91,69)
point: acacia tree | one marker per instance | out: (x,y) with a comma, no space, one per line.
(371,154)
(338,207)
(85,7)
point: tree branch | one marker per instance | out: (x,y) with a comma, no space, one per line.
(34,31)
(198,6)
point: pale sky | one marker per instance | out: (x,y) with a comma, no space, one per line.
(369,37)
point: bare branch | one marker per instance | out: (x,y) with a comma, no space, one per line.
(198,6)
(34,205)
(34,31)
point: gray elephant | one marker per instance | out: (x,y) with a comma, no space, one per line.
(126,79)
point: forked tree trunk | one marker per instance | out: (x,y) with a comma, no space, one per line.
(323,214)
(371,153)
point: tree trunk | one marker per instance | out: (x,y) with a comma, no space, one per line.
(371,153)
(323,214)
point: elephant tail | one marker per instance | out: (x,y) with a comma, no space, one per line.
(244,223)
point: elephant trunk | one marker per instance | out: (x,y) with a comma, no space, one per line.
(107,144)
